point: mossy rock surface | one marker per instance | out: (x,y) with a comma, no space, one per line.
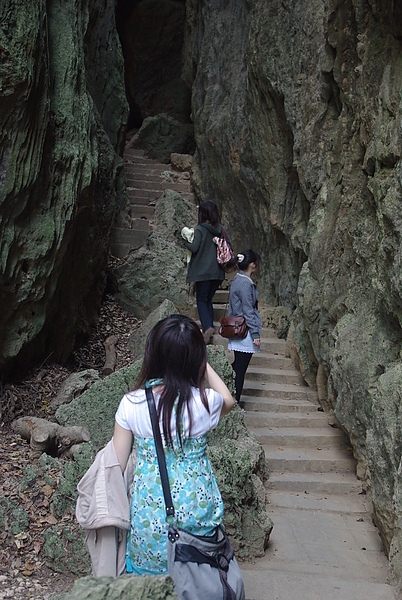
(125,587)
(96,408)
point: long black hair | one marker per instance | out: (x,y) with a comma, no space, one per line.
(208,211)
(175,351)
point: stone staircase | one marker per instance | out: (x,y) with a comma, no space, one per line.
(324,545)
(305,450)
(146,180)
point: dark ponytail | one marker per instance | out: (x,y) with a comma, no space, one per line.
(243,259)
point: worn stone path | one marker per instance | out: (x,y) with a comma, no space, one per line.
(324,545)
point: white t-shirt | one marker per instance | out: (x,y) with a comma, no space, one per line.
(133,414)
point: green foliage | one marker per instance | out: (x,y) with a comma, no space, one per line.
(65,549)
(28,481)
(18,519)
(125,587)
(70,472)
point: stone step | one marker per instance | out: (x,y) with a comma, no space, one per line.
(274,375)
(134,236)
(150,195)
(277,576)
(124,241)
(258,410)
(277,361)
(142,211)
(139,168)
(342,503)
(221,296)
(220,310)
(301,437)
(292,460)
(284,419)
(328,483)
(158,185)
(140,196)
(161,173)
(140,223)
(138,157)
(144,178)
(260,358)
(276,390)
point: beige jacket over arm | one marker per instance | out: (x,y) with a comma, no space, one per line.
(103,510)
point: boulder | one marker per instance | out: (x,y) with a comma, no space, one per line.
(97,406)
(138,339)
(181,162)
(73,386)
(239,465)
(125,587)
(162,135)
(157,271)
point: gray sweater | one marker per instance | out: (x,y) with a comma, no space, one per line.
(243,301)
(203,265)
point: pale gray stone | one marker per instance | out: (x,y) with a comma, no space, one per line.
(73,386)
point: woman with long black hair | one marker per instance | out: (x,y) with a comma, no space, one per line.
(175,367)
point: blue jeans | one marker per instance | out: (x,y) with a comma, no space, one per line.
(204,291)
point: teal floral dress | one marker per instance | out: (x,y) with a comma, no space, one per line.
(195,493)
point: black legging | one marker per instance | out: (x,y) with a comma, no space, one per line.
(240,364)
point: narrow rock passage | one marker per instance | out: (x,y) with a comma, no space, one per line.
(324,545)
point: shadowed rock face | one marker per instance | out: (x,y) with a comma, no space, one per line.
(296,109)
(61,128)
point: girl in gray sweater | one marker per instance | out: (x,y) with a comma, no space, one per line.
(243,301)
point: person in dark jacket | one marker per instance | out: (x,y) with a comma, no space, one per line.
(243,301)
(203,268)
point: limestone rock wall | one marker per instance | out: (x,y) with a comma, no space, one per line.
(296,108)
(62,116)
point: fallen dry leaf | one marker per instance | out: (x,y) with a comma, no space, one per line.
(51,520)
(47,490)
